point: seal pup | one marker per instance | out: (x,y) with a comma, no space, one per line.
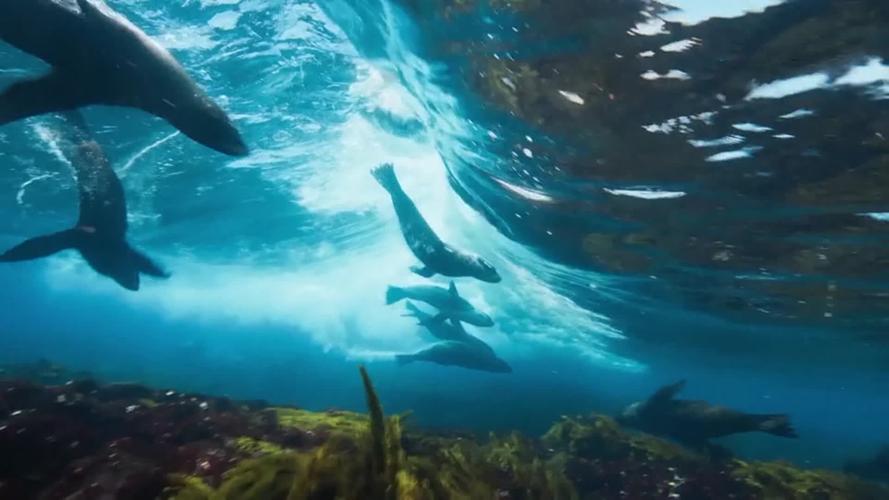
(437,256)
(696,422)
(100,232)
(100,57)
(447,300)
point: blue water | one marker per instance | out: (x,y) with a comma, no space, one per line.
(280,260)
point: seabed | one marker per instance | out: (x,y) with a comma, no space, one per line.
(83,440)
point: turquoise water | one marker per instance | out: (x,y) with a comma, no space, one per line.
(280,260)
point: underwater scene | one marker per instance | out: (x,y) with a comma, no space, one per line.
(444,249)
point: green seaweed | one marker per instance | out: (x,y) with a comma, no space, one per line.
(255,446)
(340,423)
(266,478)
(783,480)
(188,488)
(374,457)
(377,426)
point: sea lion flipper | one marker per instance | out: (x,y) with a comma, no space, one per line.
(415,312)
(667,392)
(55,91)
(147,266)
(42,246)
(423,271)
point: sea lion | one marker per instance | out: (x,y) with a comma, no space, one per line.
(437,256)
(99,57)
(100,232)
(457,346)
(447,300)
(696,422)
(461,354)
(442,328)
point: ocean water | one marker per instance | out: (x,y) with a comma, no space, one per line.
(669,191)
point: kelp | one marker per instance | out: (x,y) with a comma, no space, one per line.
(85,438)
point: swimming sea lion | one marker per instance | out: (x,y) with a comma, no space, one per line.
(99,57)
(461,354)
(447,300)
(100,232)
(437,256)
(458,347)
(696,422)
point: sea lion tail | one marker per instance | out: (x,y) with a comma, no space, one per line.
(385,175)
(394,294)
(778,425)
(404,359)
(42,246)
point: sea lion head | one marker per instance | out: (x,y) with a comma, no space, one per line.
(484,271)
(500,366)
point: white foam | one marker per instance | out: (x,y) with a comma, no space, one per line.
(697,11)
(225,20)
(751,127)
(680,45)
(214,3)
(142,152)
(572,97)
(722,141)
(646,194)
(873,71)
(799,113)
(673,74)
(651,27)
(880,216)
(20,195)
(789,86)
(187,38)
(737,154)
(528,194)
(300,21)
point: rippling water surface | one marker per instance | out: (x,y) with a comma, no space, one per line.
(682,190)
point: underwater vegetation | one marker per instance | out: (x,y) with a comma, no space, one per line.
(82,439)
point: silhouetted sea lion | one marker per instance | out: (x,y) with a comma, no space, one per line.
(695,422)
(100,232)
(437,256)
(99,57)
(447,300)
(461,354)
(458,347)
